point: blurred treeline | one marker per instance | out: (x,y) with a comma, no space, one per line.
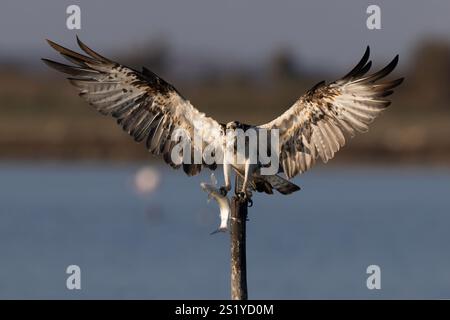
(43,118)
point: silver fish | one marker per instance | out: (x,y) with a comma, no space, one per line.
(222,201)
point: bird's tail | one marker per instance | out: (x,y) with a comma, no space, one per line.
(281,185)
(265,184)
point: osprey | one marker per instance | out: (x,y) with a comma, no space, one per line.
(150,109)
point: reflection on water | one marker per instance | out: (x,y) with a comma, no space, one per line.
(316,243)
(146,180)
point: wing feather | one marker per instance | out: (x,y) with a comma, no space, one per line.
(318,120)
(145,106)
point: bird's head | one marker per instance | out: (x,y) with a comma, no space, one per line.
(233,125)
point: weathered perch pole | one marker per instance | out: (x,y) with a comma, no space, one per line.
(238,252)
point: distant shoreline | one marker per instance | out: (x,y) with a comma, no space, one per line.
(120,151)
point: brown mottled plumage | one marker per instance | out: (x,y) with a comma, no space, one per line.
(316,125)
(145,106)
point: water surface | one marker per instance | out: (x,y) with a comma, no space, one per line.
(314,244)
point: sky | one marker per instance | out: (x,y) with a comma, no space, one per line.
(321,34)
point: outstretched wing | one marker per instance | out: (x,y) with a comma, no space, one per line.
(317,123)
(145,106)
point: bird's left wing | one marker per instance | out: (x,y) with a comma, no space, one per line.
(315,125)
(145,106)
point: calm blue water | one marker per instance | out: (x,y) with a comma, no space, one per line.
(314,244)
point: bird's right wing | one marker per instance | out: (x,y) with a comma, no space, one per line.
(315,125)
(145,106)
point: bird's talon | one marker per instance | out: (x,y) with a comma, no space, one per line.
(245,197)
(223,191)
(242,196)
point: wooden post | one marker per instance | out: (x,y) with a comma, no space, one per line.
(238,253)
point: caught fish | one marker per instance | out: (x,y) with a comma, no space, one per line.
(222,201)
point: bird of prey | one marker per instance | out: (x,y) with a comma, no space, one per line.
(150,109)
